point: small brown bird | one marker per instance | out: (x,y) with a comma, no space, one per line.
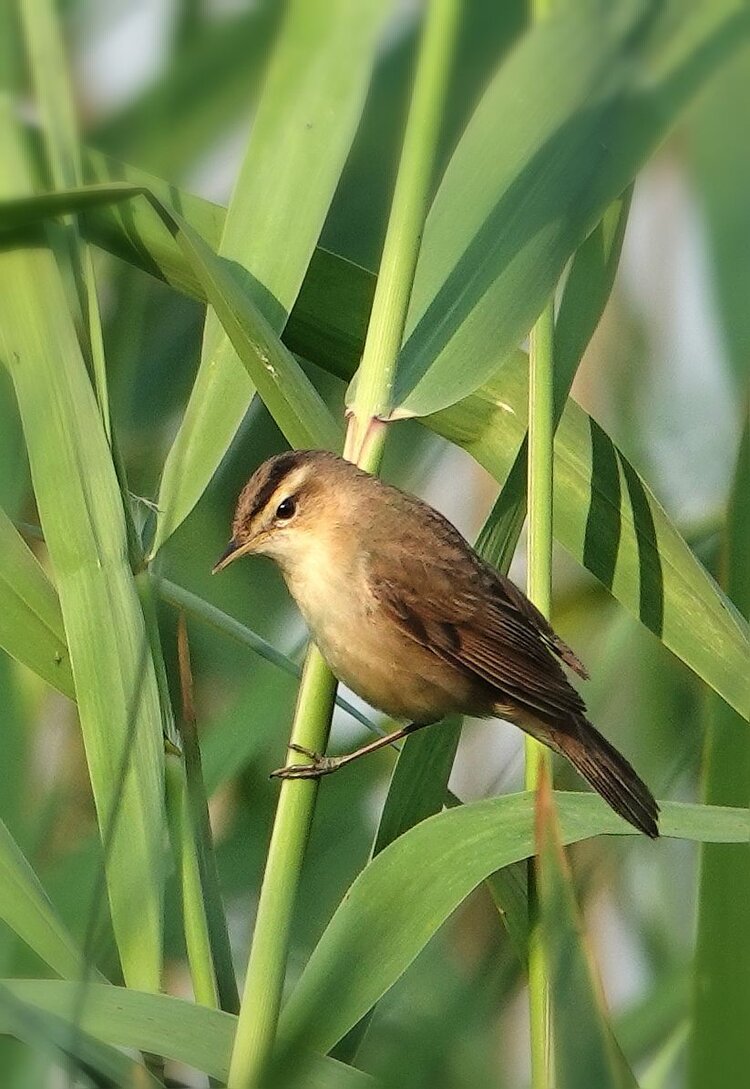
(413,620)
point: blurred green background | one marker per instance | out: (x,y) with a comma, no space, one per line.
(171,87)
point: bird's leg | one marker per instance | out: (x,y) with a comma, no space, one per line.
(324,765)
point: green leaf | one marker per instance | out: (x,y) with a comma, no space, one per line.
(286,390)
(306,119)
(329,319)
(586,1053)
(171,1027)
(31,625)
(82,517)
(45,1032)
(408,891)
(720,1043)
(525,186)
(26,909)
(419,781)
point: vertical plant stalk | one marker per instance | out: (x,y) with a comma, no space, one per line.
(539,584)
(209,910)
(261,1002)
(538,768)
(373,388)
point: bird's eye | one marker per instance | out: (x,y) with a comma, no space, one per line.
(286,509)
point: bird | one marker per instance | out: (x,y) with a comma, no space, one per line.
(412,619)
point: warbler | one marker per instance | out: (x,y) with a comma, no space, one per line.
(414,621)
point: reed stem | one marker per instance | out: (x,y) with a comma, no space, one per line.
(541,436)
(261,1003)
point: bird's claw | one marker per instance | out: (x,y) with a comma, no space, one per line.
(318,766)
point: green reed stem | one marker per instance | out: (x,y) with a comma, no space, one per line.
(261,1003)
(539,581)
(375,378)
(261,1000)
(195,923)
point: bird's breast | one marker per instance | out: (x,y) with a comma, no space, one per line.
(369,653)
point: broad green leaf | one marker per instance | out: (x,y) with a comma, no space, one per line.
(31,626)
(416,791)
(306,119)
(81,513)
(586,1054)
(408,891)
(607,517)
(720,1043)
(26,909)
(45,1032)
(525,186)
(171,1027)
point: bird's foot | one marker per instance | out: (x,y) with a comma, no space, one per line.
(318,766)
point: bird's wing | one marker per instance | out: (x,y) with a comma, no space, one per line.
(476,620)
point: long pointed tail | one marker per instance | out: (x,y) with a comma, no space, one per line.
(610,775)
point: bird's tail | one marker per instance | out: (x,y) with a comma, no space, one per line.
(610,775)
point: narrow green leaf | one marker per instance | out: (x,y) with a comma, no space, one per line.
(26,909)
(408,891)
(525,187)
(161,1025)
(586,1053)
(306,119)
(81,512)
(31,626)
(720,1043)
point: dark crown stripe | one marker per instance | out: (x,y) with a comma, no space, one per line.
(280,467)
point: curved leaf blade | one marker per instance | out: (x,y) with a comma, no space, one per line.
(408,891)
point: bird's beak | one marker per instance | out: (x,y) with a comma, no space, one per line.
(231,552)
